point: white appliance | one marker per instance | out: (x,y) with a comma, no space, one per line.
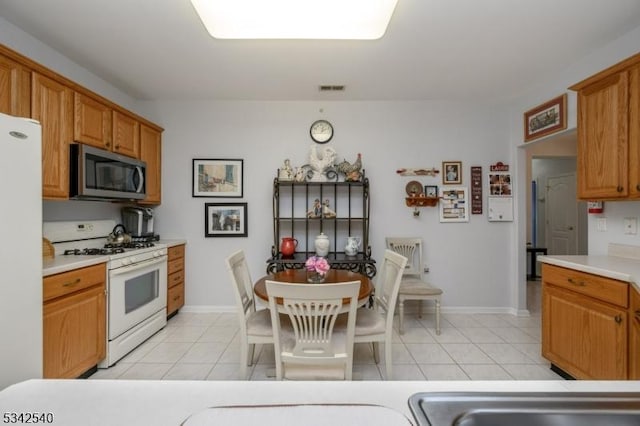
(136,281)
(21,253)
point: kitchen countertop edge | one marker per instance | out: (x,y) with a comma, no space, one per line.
(60,263)
(617,268)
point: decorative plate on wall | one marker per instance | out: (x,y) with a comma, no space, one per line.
(414,188)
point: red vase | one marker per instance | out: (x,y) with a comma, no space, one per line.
(288,246)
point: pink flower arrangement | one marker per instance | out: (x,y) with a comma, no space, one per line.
(317,264)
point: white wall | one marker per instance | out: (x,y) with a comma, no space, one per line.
(468,260)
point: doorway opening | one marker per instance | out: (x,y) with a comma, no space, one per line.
(556,220)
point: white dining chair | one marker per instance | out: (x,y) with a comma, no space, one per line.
(316,350)
(255,325)
(413,285)
(375,325)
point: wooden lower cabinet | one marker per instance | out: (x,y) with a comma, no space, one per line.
(175,279)
(74,321)
(634,335)
(582,334)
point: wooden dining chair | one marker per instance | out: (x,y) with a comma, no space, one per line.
(413,286)
(255,325)
(316,350)
(376,325)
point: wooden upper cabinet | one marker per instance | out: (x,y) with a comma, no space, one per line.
(126,135)
(602,138)
(52,106)
(608,133)
(151,153)
(15,88)
(634,131)
(92,122)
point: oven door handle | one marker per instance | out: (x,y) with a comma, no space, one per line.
(136,266)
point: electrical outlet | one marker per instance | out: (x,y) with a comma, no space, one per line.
(426,270)
(630,225)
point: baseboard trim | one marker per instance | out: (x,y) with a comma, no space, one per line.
(410,308)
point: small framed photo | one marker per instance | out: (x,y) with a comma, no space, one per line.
(431,191)
(217,178)
(225,220)
(451,172)
(545,119)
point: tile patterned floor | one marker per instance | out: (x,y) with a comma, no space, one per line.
(204,346)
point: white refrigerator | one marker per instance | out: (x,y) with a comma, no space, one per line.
(20,250)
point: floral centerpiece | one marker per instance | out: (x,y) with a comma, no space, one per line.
(317,268)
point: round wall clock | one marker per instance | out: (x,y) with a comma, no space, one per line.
(321,131)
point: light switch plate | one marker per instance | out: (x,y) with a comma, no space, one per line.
(630,225)
(601,224)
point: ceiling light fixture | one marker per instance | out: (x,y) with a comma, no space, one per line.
(295,19)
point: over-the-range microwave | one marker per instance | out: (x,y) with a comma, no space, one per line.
(96,174)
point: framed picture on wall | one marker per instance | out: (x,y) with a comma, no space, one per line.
(451,172)
(545,119)
(431,191)
(454,205)
(225,220)
(217,178)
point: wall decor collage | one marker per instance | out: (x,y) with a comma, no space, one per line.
(221,178)
(455,201)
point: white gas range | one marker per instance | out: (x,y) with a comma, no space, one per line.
(136,281)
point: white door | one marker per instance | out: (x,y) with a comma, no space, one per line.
(562,214)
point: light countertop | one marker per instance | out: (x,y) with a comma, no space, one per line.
(147,402)
(61,263)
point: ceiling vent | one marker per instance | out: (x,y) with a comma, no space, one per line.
(331,88)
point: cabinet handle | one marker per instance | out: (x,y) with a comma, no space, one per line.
(574,282)
(619,189)
(117,146)
(618,319)
(72,283)
(638,187)
(637,312)
(176,298)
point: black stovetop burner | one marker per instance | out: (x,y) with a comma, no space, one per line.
(109,248)
(94,251)
(130,245)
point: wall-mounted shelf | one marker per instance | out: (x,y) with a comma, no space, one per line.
(422,201)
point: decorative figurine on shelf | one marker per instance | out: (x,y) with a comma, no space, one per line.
(286,172)
(316,209)
(320,162)
(351,172)
(300,174)
(326,211)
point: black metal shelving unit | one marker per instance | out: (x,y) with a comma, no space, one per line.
(351,203)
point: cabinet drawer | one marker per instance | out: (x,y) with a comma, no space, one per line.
(72,281)
(176,252)
(605,289)
(175,265)
(175,279)
(175,298)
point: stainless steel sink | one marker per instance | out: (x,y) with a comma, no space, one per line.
(525,409)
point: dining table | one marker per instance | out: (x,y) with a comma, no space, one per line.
(299,276)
